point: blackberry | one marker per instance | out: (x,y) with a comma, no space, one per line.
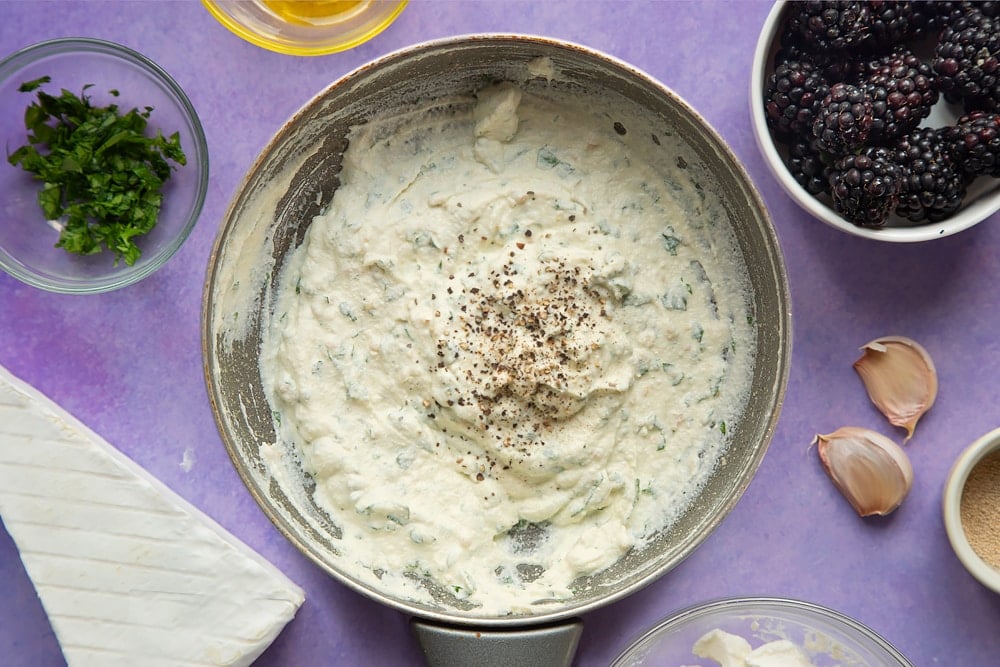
(901,88)
(831,25)
(808,166)
(944,11)
(974,143)
(933,186)
(865,187)
(794,93)
(967,61)
(844,120)
(989,7)
(835,66)
(894,22)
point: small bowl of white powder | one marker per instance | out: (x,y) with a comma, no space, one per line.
(972,509)
(760,631)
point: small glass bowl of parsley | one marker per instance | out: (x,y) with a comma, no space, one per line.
(105,166)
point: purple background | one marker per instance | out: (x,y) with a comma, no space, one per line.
(128,363)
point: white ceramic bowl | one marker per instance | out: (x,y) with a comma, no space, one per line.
(829,638)
(982,200)
(964,464)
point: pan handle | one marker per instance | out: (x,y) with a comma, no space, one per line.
(538,646)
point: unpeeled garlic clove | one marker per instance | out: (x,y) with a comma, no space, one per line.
(869,469)
(900,378)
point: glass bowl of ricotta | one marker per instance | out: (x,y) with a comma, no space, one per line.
(104,75)
(769,631)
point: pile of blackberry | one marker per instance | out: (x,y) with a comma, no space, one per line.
(849,94)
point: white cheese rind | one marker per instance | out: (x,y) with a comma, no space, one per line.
(128,572)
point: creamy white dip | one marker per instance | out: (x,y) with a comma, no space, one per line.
(509,350)
(730,650)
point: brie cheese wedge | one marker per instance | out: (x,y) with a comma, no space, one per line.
(128,572)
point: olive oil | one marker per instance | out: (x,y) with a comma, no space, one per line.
(315,12)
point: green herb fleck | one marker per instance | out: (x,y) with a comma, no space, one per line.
(670,242)
(102,175)
(348,312)
(674,299)
(546,159)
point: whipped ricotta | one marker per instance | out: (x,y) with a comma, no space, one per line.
(730,650)
(509,350)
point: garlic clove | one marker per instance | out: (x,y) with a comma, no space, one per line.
(900,378)
(869,469)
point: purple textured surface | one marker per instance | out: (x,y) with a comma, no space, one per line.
(128,363)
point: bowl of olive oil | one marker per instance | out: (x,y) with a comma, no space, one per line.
(306,27)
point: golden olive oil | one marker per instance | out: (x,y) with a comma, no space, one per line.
(315,12)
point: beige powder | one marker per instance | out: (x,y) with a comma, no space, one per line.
(980,509)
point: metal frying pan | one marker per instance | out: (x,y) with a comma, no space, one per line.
(296,176)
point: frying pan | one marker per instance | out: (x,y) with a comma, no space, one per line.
(294,179)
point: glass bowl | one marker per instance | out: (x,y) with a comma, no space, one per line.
(981,201)
(27,238)
(305,27)
(828,637)
(954,489)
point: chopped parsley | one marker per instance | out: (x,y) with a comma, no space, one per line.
(102,175)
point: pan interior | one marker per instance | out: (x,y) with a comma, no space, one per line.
(295,179)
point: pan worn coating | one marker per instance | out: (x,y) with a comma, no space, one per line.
(296,176)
